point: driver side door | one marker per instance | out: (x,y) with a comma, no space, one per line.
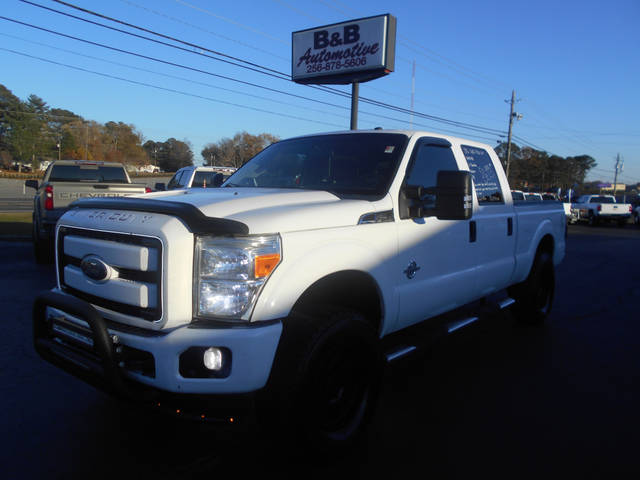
(437,269)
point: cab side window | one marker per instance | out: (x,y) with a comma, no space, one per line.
(484,174)
(428,159)
(176,180)
(183,181)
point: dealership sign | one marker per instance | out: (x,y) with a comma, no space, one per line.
(348,52)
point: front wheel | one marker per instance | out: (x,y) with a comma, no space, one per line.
(331,398)
(534,296)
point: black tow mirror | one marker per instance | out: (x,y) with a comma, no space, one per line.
(450,199)
(31,184)
(218,179)
(160,187)
(454,197)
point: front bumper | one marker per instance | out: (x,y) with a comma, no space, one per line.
(144,366)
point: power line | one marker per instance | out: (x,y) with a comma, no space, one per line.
(196,27)
(454,123)
(233,22)
(208,98)
(249,65)
(165,62)
(284,76)
(176,77)
(135,82)
(212,86)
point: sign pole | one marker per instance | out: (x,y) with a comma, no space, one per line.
(355,90)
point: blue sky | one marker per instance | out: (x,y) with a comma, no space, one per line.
(574,66)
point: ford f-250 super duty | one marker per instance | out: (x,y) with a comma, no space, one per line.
(287,289)
(64,182)
(600,208)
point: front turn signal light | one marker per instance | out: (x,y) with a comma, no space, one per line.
(264,264)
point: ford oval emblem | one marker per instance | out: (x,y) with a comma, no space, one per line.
(95,268)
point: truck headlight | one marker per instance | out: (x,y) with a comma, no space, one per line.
(230,272)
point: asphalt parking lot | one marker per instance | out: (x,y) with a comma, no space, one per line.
(498,400)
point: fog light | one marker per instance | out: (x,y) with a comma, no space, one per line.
(205,362)
(213,358)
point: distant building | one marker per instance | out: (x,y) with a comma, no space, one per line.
(147,169)
(609,187)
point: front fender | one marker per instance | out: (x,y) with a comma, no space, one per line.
(310,256)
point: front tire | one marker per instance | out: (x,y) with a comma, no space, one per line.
(332,396)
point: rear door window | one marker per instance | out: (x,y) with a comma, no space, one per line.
(484,174)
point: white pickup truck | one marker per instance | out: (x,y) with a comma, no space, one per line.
(285,291)
(598,208)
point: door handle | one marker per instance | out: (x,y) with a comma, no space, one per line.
(472,231)
(509,226)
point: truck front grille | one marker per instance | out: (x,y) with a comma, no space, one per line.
(129,277)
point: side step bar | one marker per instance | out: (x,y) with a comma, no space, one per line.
(507,302)
(452,327)
(400,352)
(405,348)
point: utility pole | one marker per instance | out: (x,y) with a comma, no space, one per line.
(619,168)
(413,90)
(355,95)
(86,142)
(512,115)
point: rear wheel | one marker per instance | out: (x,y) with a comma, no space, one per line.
(42,249)
(534,297)
(593,221)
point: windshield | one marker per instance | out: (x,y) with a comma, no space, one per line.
(347,164)
(87,173)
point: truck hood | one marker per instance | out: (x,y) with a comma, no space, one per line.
(266,210)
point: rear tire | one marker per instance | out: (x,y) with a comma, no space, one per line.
(42,249)
(534,296)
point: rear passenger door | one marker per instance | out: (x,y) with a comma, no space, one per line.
(495,222)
